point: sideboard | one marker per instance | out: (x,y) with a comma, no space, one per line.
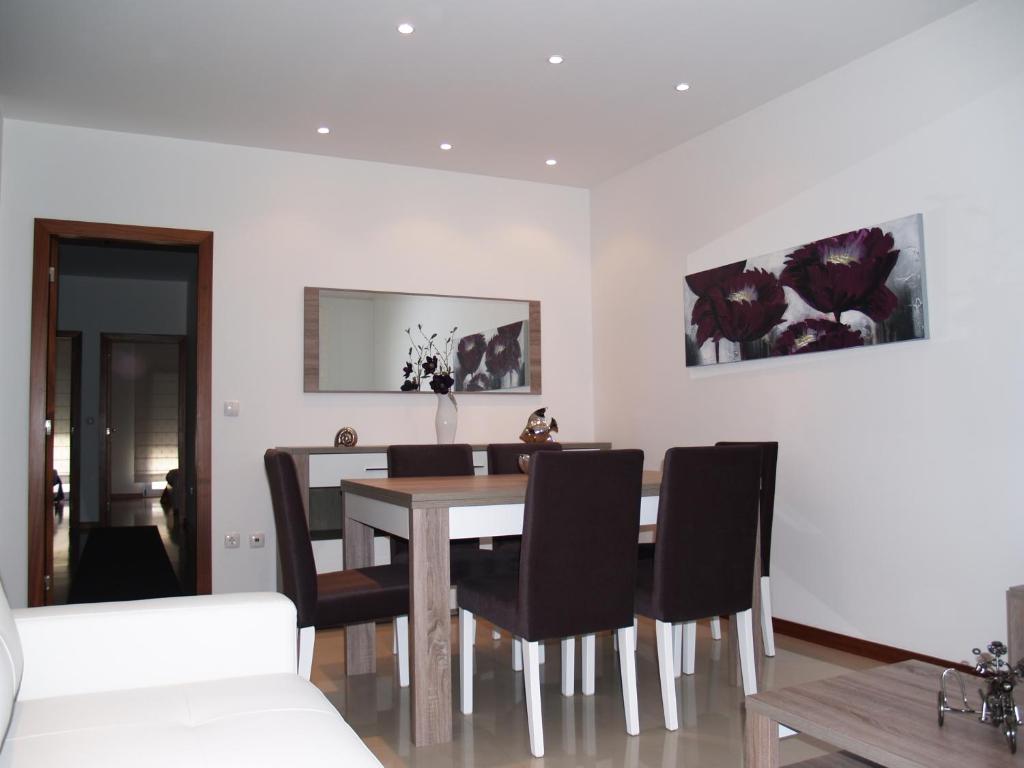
(321,469)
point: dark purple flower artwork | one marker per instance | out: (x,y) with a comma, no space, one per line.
(494,359)
(845,272)
(857,289)
(470,351)
(742,307)
(815,336)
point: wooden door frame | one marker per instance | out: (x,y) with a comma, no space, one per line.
(107,340)
(42,364)
(75,427)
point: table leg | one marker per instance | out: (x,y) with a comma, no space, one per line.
(430,626)
(360,639)
(762,743)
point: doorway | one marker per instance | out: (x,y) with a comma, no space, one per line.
(144,401)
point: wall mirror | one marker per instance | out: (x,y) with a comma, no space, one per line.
(358,341)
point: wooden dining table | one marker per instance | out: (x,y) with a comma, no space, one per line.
(429,512)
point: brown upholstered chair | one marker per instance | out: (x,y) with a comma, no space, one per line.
(576,572)
(330,599)
(704,560)
(438,461)
(503,459)
(766,514)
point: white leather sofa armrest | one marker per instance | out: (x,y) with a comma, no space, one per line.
(71,649)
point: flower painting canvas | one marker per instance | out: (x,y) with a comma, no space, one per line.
(857,289)
(493,359)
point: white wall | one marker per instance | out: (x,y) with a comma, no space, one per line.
(898,514)
(283,221)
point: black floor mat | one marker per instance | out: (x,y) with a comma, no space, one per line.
(123,564)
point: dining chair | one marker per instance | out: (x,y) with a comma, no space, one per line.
(324,600)
(439,461)
(704,560)
(766,514)
(576,573)
(503,459)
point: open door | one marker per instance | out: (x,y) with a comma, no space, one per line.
(50,235)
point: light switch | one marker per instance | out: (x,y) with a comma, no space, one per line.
(230,407)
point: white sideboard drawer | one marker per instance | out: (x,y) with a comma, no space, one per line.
(327,469)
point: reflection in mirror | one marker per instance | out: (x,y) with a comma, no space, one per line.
(363,341)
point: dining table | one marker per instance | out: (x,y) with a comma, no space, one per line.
(430,512)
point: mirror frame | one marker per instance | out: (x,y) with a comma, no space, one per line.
(311,344)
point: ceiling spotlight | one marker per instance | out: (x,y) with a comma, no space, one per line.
(683,87)
(323,129)
(556,59)
(406,28)
(551,161)
(446,146)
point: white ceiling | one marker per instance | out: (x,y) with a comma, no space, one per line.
(267,73)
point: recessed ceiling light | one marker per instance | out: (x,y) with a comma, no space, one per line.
(683,87)
(556,59)
(323,129)
(406,28)
(551,161)
(446,146)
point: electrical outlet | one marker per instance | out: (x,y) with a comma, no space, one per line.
(231,540)
(257,540)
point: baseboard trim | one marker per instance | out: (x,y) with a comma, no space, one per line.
(866,648)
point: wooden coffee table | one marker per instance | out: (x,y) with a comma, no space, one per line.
(887,715)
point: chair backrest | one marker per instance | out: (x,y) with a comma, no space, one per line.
(769,463)
(577,568)
(298,569)
(707,525)
(503,458)
(430,460)
(11,663)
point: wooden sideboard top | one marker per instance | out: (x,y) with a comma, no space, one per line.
(308,450)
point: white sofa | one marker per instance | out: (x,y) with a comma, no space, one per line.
(192,681)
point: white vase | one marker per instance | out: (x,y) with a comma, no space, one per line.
(447,419)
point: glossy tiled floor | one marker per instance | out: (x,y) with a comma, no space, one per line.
(579,731)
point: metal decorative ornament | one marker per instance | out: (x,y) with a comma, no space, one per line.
(345,437)
(538,429)
(997,705)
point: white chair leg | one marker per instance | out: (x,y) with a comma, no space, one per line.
(663,634)
(745,632)
(472,637)
(588,656)
(767,630)
(627,668)
(394,636)
(495,634)
(568,666)
(402,640)
(716,628)
(636,633)
(466,626)
(517,655)
(689,647)
(531,662)
(677,649)
(307,638)
(541,654)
